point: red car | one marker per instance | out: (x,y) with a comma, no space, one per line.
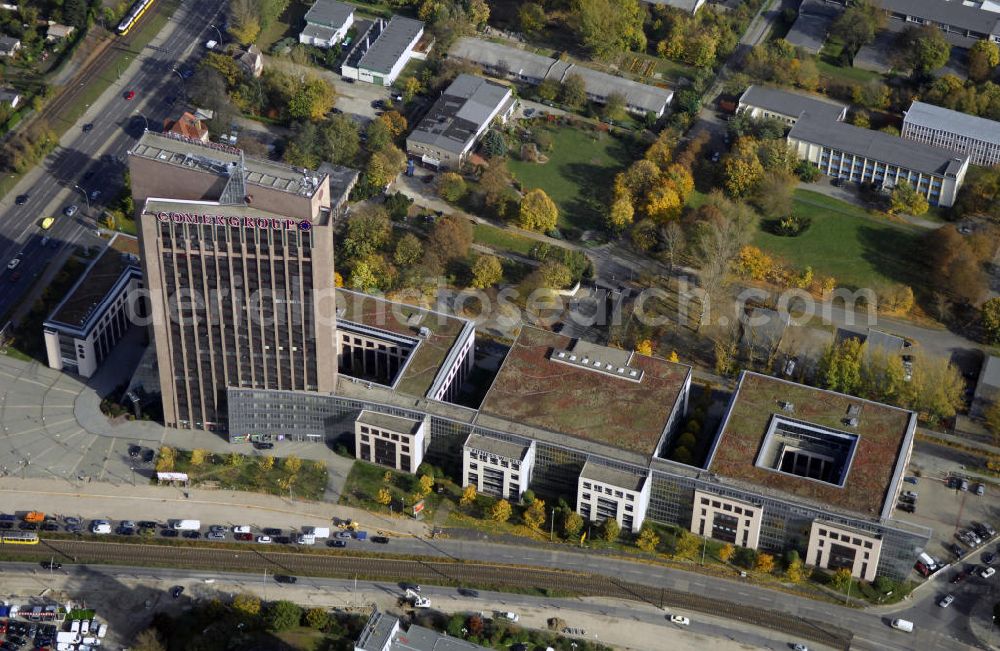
(244,536)
(130,94)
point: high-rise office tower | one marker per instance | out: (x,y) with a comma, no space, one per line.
(238,258)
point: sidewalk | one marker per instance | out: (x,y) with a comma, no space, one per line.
(143,502)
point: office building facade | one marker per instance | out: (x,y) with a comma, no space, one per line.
(238,260)
(391,441)
(977,137)
(498,468)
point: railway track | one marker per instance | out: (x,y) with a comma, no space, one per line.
(432,571)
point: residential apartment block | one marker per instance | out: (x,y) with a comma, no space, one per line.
(391,441)
(964,23)
(764,102)
(974,136)
(501,468)
(446,136)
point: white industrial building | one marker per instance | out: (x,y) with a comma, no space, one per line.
(383,50)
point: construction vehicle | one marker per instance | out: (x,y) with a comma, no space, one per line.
(349,525)
(34,516)
(417,600)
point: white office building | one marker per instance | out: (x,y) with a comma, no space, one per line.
(498,468)
(977,137)
(606,492)
(96,313)
(391,441)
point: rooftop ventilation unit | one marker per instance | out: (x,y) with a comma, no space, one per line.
(630,373)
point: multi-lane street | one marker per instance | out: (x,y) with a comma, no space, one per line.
(93,159)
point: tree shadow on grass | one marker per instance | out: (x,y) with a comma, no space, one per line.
(896,254)
(586,209)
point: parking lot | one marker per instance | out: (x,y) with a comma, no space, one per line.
(949,510)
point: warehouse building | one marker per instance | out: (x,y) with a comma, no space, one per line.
(382,51)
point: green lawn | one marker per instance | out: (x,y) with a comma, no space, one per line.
(578,175)
(245,473)
(290,23)
(501,240)
(827,62)
(843,241)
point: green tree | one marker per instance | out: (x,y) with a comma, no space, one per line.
(451,187)
(247,604)
(856,27)
(244,21)
(531,18)
(198,456)
(554,275)
(841,579)
(383,497)
(922,49)
(775,193)
(861,119)
(371,272)
(687,545)
(984,56)
(377,135)
(75,13)
(699,49)
(408,250)
(648,540)
(607,27)
(548,90)
(610,529)
(283,615)
(796,572)
(500,511)
(266,462)
(936,386)
(426,484)
(990,314)
(494,144)
(534,515)
(615,107)
(574,90)
(384,165)
(486,271)
(906,200)
(840,366)
(317,618)
(742,168)
(398,205)
(339,140)
(314,99)
(538,212)
(572,523)
(368,231)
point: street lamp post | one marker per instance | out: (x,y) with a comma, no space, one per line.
(144,120)
(132,468)
(217,32)
(84,193)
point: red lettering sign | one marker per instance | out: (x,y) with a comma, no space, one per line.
(263,223)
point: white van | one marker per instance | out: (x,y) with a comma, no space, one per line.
(317,532)
(306,539)
(186,525)
(74,626)
(904,625)
(241,528)
(84,627)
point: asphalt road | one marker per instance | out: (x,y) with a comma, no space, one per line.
(93,160)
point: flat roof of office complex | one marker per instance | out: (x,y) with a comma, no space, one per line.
(424,364)
(389,422)
(788,103)
(877,145)
(221,160)
(390,44)
(93,286)
(463,109)
(878,433)
(938,117)
(508,449)
(612,476)
(576,397)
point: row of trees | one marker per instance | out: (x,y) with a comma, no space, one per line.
(926,384)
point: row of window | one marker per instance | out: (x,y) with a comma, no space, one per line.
(726,507)
(833,535)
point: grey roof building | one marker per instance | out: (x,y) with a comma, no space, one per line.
(988,387)
(327,22)
(342,180)
(382,51)
(451,128)
(527,67)
(767,102)
(960,132)
(9,46)
(951,17)
(812,25)
(865,156)
(383,633)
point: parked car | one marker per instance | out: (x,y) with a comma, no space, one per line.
(980,489)
(263,445)
(176,591)
(468,592)
(680,619)
(963,484)
(946,601)
(381,540)
(911,494)
(285,578)
(961,576)
(134,451)
(243,536)
(51,565)
(272,531)
(336,543)
(215,535)
(907,507)
(346,535)
(955,549)
(912,480)
(170,533)
(264,540)
(989,557)
(71,210)
(987,572)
